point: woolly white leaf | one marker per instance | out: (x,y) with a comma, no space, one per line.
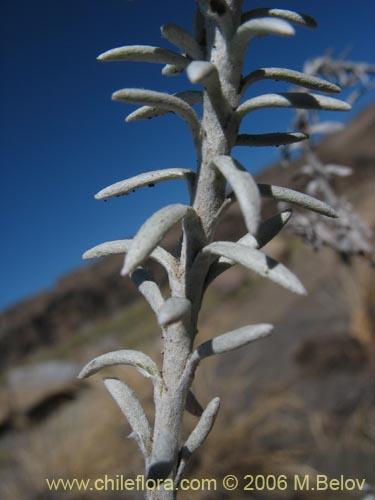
(204,426)
(107,248)
(198,435)
(289,15)
(260,27)
(206,73)
(173,310)
(148,288)
(232,340)
(194,239)
(291,76)
(339,170)
(271,227)
(160,100)
(147,112)
(182,39)
(151,233)
(139,360)
(257,262)
(266,231)
(274,139)
(202,429)
(144,53)
(325,128)
(200,71)
(172,70)
(146,179)
(224,263)
(289,195)
(160,255)
(130,406)
(300,100)
(244,187)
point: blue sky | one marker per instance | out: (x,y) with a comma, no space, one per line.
(62,139)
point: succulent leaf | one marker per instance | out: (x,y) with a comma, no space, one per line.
(291,76)
(244,187)
(257,262)
(144,53)
(289,15)
(303,200)
(134,412)
(146,179)
(151,233)
(274,139)
(147,112)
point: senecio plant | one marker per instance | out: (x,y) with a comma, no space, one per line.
(348,235)
(213,59)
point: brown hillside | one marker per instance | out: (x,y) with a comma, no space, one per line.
(97,291)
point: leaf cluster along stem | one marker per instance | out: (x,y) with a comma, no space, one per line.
(213,58)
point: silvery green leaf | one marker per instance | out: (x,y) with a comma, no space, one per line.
(148,288)
(274,139)
(224,263)
(147,112)
(194,239)
(288,75)
(144,53)
(182,39)
(204,426)
(206,73)
(173,310)
(159,254)
(257,262)
(161,100)
(266,231)
(289,195)
(289,15)
(130,406)
(192,405)
(325,128)
(146,179)
(299,100)
(151,233)
(107,248)
(200,71)
(231,340)
(198,435)
(259,27)
(339,170)
(244,187)
(271,227)
(139,360)
(172,70)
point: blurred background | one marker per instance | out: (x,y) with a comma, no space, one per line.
(300,401)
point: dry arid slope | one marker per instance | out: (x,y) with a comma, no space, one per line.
(300,401)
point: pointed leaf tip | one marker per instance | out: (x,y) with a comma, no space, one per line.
(232,340)
(151,233)
(130,406)
(244,187)
(173,310)
(143,53)
(296,197)
(258,262)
